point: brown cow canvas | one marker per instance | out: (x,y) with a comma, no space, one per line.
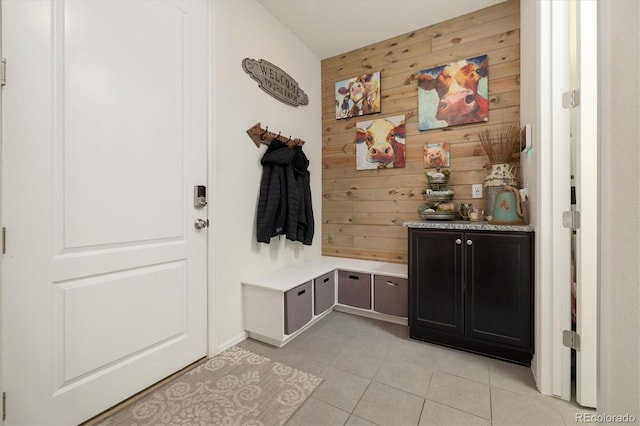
(380,143)
(454,94)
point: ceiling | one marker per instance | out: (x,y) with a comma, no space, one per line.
(332,27)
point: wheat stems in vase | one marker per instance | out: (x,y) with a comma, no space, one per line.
(500,145)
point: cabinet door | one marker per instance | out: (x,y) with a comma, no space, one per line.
(435,280)
(498,287)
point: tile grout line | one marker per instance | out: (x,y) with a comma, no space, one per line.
(424,403)
(490,395)
(389,356)
(360,399)
(458,409)
(400,389)
(356,404)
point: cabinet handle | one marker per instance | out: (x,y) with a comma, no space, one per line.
(326,280)
(354,277)
(301,292)
(469,242)
(458,241)
(392,284)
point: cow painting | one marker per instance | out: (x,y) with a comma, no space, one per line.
(358,96)
(453,94)
(380,144)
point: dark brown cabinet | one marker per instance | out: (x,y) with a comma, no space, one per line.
(472,290)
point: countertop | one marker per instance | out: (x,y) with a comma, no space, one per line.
(467,225)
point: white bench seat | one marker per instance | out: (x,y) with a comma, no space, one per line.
(264,294)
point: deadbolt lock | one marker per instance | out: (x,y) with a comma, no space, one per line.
(199,196)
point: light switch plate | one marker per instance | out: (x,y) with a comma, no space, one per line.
(476,190)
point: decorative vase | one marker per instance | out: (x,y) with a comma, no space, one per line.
(501,175)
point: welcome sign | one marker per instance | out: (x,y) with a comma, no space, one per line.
(275,82)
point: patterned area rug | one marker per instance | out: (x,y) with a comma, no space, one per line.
(236,387)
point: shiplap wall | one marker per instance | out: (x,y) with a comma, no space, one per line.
(363,211)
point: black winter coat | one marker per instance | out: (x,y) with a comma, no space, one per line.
(284,206)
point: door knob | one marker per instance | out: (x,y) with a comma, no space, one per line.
(201,223)
(458,241)
(469,242)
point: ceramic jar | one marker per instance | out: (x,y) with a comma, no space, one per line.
(501,175)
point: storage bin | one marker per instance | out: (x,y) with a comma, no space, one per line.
(297,307)
(391,295)
(324,292)
(354,289)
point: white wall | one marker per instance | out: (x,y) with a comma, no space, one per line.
(619,283)
(244,29)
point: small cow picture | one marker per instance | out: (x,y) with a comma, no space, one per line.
(453,94)
(380,144)
(358,96)
(436,155)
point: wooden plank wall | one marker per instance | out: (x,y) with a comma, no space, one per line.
(363,211)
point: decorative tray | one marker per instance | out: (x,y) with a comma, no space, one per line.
(435,196)
(437,179)
(438,215)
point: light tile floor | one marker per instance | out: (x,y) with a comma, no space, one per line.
(374,374)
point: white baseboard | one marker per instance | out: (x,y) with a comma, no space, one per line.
(233,341)
(371,314)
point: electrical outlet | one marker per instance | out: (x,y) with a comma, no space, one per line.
(476,190)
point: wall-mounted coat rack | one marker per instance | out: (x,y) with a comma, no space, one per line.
(263,136)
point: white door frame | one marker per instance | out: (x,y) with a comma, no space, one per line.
(546,176)
(587,172)
(560,194)
(2,415)
(212,348)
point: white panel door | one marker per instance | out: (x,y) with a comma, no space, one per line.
(104,137)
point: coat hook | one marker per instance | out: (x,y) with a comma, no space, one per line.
(261,136)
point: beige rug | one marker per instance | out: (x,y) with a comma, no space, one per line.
(236,387)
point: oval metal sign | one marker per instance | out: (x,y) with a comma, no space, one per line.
(275,81)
